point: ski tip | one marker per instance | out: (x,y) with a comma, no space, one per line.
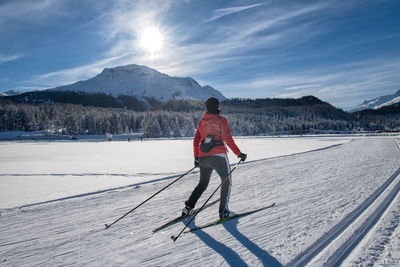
(107,226)
(156,230)
(173,238)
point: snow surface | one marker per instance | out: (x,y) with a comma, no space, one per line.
(316,193)
(33,172)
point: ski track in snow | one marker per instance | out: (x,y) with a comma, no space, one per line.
(315,192)
(358,230)
(381,246)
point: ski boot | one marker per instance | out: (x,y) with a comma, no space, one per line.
(226,214)
(186,211)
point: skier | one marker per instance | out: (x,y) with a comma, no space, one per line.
(210,153)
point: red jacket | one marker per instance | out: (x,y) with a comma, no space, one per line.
(218,127)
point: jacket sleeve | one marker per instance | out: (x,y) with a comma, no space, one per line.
(196,142)
(228,138)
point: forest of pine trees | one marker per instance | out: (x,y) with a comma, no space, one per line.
(178,119)
(76,119)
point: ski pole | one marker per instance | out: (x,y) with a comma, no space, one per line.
(109,225)
(174,238)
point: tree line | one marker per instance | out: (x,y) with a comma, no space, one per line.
(180,118)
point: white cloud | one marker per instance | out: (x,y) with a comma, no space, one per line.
(222,12)
(304,86)
(9,58)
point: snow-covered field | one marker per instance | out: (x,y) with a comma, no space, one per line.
(33,172)
(337,202)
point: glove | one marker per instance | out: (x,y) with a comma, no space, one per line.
(196,161)
(242,156)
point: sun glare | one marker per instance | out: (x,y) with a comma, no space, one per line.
(151,40)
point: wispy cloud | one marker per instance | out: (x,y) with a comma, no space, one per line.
(28,11)
(222,12)
(225,45)
(300,87)
(4,58)
(71,75)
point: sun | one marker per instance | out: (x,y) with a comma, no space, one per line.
(151,40)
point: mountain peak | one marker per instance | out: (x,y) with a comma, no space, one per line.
(378,102)
(132,68)
(143,82)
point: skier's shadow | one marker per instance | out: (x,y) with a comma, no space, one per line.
(230,256)
(266,258)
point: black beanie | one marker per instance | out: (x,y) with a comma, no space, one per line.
(212,105)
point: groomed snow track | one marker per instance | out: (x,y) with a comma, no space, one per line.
(335,207)
(346,248)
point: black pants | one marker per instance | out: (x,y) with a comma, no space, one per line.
(207,165)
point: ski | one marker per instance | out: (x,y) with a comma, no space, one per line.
(181,218)
(229,218)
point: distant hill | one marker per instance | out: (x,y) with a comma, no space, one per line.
(386,118)
(383,111)
(378,102)
(289,107)
(143,83)
(81,98)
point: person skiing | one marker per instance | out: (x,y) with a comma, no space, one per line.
(210,153)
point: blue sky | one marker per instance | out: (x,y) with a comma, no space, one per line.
(342,52)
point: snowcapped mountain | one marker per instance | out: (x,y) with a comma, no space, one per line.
(9,93)
(143,82)
(379,102)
